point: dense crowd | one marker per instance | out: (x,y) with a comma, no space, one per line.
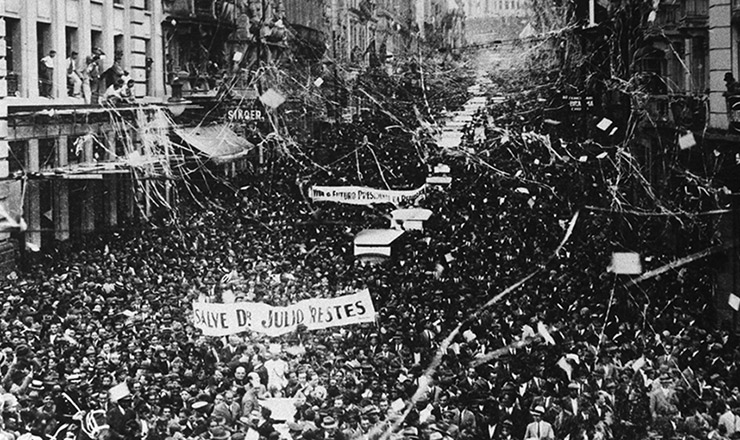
(116,310)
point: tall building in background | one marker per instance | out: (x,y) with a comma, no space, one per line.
(488,21)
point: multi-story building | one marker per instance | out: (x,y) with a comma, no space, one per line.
(444,23)
(70,166)
(488,21)
(60,161)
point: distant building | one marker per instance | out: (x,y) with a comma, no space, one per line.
(488,21)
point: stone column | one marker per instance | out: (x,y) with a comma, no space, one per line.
(85,31)
(4,147)
(61,192)
(111,183)
(29,51)
(59,43)
(157,50)
(108,45)
(720,60)
(88,203)
(32,208)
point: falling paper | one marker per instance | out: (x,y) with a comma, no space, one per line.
(522,190)
(251,435)
(318,82)
(639,363)
(626,263)
(398,405)
(542,330)
(449,258)
(455,347)
(271,98)
(604,124)
(480,134)
(602,155)
(734,301)
(583,159)
(614,130)
(469,335)
(118,392)
(283,408)
(551,122)
(687,141)
(527,332)
(238,57)
(563,363)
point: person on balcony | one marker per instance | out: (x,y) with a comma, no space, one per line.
(112,96)
(733,87)
(127,92)
(90,76)
(74,82)
(47,74)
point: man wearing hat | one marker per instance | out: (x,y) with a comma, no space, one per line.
(539,429)
(70,401)
(331,429)
(218,433)
(120,415)
(504,433)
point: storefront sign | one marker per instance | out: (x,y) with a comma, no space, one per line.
(239,114)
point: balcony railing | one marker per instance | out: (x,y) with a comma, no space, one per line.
(675,110)
(13,83)
(733,112)
(735,10)
(198,8)
(696,8)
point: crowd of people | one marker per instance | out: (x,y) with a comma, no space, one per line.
(116,310)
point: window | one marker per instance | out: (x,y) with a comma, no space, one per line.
(17,157)
(13,55)
(47,156)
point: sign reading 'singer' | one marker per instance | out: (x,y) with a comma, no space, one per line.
(227,319)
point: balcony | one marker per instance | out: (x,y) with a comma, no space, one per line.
(666,22)
(673,111)
(190,8)
(694,15)
(736,10)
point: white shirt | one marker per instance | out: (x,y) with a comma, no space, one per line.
(48,61)
(730,421)
(276,371)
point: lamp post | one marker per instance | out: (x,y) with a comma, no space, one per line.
(176,103)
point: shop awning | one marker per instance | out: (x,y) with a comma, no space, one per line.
(218,142)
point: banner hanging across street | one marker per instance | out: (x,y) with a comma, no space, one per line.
(227,319)
(360,195)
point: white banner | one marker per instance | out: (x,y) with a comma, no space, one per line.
(227,319)
(360,195)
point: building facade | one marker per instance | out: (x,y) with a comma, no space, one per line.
(69,166)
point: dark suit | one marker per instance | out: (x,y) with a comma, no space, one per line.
(518,418)
(120,422)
